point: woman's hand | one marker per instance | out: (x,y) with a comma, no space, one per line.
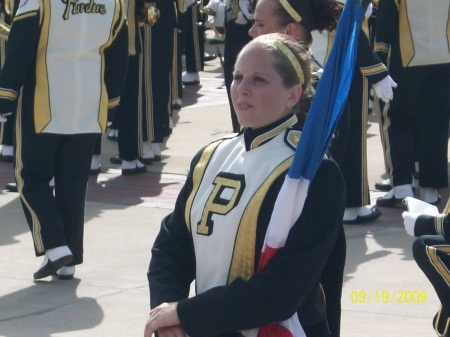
(164,316)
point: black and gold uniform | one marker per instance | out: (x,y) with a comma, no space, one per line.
(431,251)
(7,12)
(216,231)
(70,58)
(193,37)
(143,115)
(353,155)
(412,37)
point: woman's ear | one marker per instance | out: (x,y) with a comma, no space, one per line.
(294,96)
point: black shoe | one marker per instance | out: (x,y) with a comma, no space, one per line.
(375,214)
(11,187)
(146,161)
(195,82)
(435,203)
(6,158)
(220,41)
(94,172)
(390,202)
(209,57)
(51,267)
(441,323)
(383,187)
(115,160)
(135,170)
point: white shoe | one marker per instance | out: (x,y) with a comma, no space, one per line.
(147,153)
(54,259)
(156,147)
(66,272)
(133,167)
(7,150)
(430,195)
(191,78)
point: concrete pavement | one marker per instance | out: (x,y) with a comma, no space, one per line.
(385,293)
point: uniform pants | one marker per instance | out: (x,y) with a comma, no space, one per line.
(432,255)
(236,37)
(417,125)
(55,218)
(161,68)
(194,39)
(354,158)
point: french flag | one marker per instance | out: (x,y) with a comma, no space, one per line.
(319,127)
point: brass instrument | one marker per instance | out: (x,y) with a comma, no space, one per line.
(148,13)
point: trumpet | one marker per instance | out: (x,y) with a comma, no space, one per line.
(148,13)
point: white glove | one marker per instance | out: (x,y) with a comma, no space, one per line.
(383,89)
(213,5)
(410,221)
(244,5)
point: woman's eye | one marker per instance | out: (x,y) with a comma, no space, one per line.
(237,77)
(259,79)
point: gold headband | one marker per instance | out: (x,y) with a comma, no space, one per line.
(291,11)
(288,53)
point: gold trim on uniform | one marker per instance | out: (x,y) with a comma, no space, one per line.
(8,94)
(436,324)
(375,69)
(41,94)
(131,27)
(103,107)
(406,42)
(272,133)
(436,261)
(36,226)
(439,224)
(112,103)
(197,177)
(381,47)
(25,15)
(243,259)
(293,138)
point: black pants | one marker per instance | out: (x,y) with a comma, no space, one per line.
(417,125)
(55,218)
(193,39)
(332,281)
(432,255)
(236,37)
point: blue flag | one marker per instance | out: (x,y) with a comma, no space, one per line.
(331,94)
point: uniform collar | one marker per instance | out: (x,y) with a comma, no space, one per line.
(256,137)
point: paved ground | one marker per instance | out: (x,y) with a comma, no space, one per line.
(385,294)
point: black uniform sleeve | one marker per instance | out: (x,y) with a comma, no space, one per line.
(116,64)
(20,55)
(277,292)
(432,225)
(368,62)
(172,266)
(386,27)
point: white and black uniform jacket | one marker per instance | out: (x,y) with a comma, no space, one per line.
(216,232)
(70,78)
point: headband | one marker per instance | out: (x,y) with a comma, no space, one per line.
(288,53)
(291,11)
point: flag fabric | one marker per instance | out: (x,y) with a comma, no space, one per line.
(317,132)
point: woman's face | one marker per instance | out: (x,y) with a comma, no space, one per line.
(258,95)
(265,20)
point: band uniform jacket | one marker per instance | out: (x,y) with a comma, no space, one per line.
(216,232)
(424,28)
(68,82)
